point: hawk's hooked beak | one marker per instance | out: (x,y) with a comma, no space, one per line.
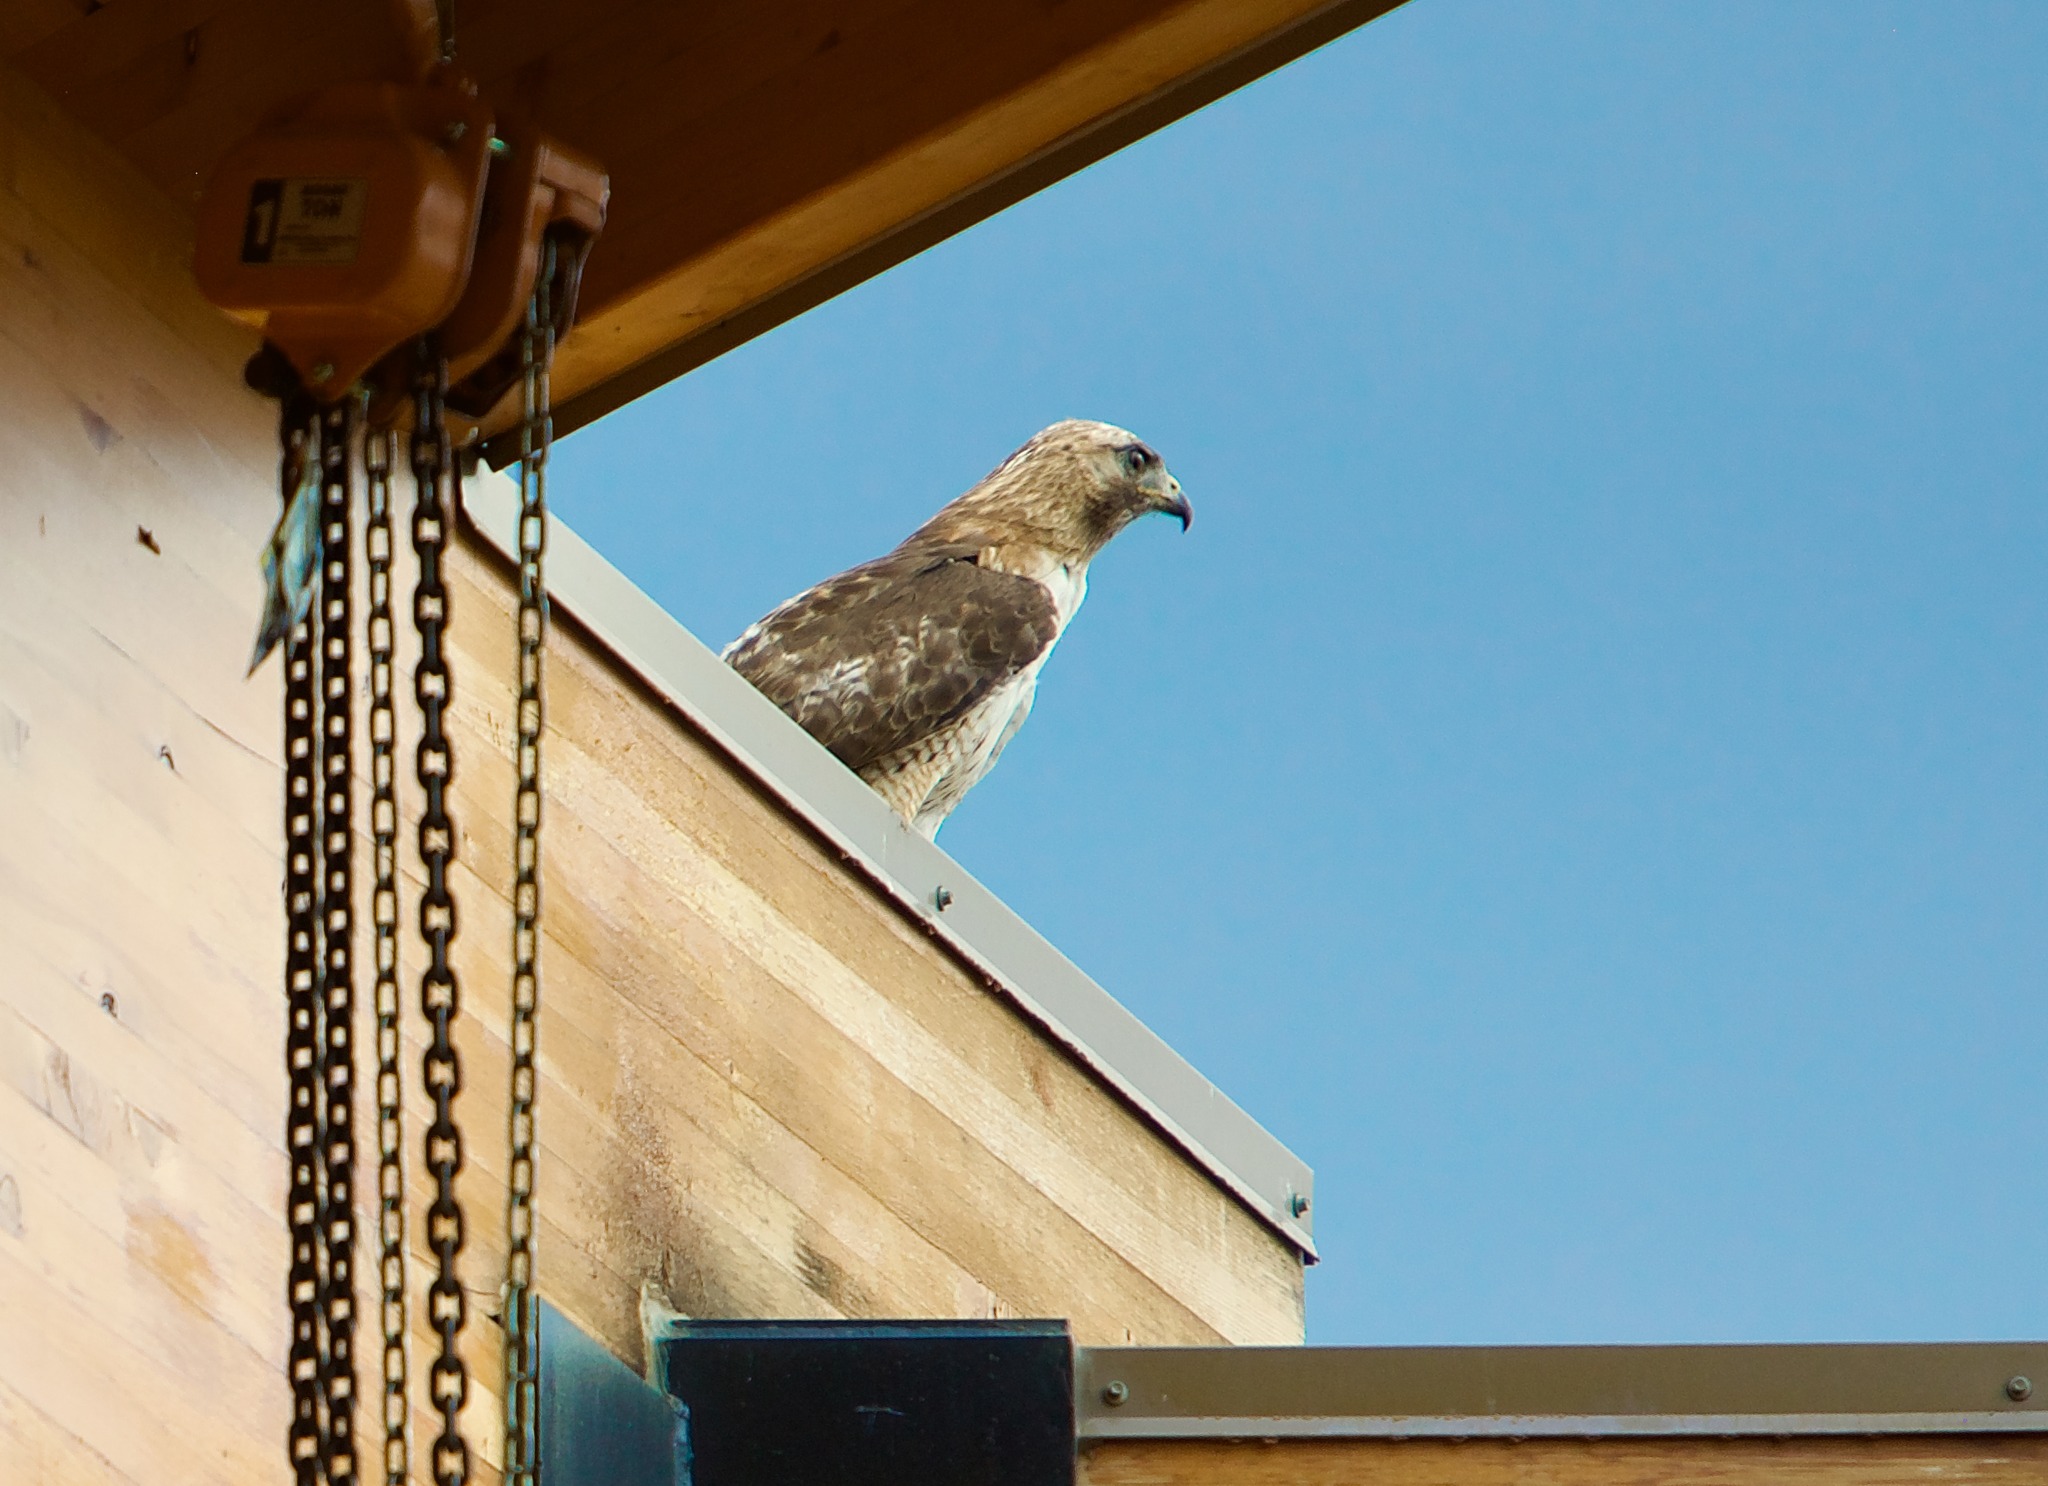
(1166,496)
(1179,507)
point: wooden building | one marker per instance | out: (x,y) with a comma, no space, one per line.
(795,1062)
(777,1080)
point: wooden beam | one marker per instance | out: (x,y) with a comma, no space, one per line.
(763,158)
(1895,1460)
(1033,94)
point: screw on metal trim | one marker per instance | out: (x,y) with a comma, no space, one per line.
(943,898)
(2019,1388)
(1116,1395)
(324,372)
(1297,1205)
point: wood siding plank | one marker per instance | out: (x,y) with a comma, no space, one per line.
(1895,1460)
(42,1451)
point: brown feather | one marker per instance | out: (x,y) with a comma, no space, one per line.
(891,651)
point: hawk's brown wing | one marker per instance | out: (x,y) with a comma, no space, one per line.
(891,651)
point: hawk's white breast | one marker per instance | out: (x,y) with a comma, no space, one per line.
(966,751)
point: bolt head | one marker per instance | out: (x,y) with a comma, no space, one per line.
(2019,1389)
(1297,1204)
(1116,1395)
(943,899)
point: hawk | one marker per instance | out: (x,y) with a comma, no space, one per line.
(917,668)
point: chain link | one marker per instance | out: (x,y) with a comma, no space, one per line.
(447,1308)
(522,1350)
(302,991)
(337,931)
(319,735)
(378,457)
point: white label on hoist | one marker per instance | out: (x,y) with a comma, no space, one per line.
(305,220)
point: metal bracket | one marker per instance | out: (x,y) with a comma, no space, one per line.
(601,1423)
(792,1403)
(939,1403)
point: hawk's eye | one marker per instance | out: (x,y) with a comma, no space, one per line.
(1135,461)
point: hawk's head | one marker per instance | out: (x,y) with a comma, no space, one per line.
(1070,489)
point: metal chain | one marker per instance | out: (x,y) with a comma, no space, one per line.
(302,992)
(432,460)
(378,457)
(522,1349)
(337,926)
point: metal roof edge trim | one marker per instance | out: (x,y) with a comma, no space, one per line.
(1713,1389)
(1551,1426)
(1240,1154)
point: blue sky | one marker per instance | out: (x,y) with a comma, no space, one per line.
(1583,780)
